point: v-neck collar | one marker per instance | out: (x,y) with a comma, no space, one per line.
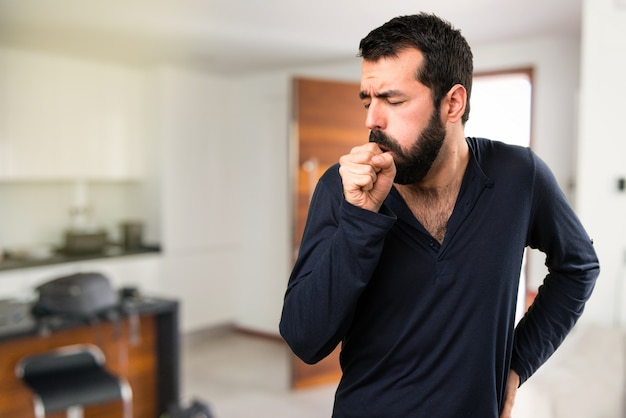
(475,181)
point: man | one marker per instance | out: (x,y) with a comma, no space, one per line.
(413,246)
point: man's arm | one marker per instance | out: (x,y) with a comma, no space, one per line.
(572,271)
(340,248)
(511,392)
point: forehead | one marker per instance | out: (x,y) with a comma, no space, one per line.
(391,72)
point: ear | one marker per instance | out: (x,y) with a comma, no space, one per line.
(456,100)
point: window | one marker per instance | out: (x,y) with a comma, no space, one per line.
(501,107)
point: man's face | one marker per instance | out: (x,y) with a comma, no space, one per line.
(401,115)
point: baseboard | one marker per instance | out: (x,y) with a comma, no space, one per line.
(202,334)
(216,331)
(258,333)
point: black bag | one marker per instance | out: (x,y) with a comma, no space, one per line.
(81,294)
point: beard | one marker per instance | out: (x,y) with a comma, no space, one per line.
(413,165)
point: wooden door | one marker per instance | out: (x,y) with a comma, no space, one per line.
(330,120)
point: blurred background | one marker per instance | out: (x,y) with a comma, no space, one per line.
(157,142)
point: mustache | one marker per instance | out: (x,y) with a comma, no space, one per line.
(385,142)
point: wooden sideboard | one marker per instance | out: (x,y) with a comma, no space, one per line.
(147,355)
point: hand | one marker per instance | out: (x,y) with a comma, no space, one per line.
(367,175)
(509,397)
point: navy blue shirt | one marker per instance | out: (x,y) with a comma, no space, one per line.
(428,330)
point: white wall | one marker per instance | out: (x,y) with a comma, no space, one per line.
(263,131)
(199,193)
(602,151)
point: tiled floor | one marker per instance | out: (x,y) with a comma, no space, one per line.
(243,376)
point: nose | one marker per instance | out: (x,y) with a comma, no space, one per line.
(375,119)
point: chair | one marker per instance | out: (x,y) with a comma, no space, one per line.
(70,378)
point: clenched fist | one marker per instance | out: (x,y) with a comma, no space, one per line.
(367,174)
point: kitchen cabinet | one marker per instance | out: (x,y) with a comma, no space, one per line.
(65,118)
(144,350)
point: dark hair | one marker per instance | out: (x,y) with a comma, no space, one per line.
(447,55)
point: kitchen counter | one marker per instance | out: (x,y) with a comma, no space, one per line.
(145,350)
(10,263)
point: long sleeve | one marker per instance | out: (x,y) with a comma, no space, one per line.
(572,271)
(340,249)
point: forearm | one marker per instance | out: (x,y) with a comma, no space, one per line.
(558,305)
(573,269)
(333,267)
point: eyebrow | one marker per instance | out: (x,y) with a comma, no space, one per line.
(384,94)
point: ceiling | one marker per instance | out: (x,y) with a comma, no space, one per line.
(242,36)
